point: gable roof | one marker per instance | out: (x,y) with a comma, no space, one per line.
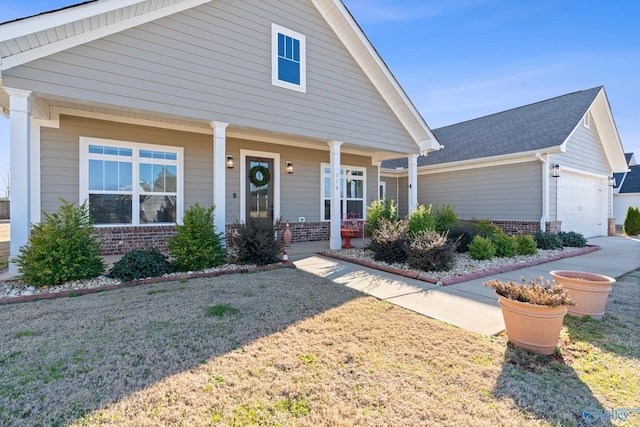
(543,126)
(28,39)
(631,183)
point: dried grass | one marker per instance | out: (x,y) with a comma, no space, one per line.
(289,349)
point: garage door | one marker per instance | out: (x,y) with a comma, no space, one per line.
(582,204)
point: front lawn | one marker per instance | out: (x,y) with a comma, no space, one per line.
(287,348)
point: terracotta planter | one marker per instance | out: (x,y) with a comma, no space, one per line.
(588,290)
(286,234)
(347,234)
(533,327)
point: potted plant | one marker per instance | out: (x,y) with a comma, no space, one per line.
(588,290)
(533,312)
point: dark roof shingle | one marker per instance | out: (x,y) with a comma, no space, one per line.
(532,127)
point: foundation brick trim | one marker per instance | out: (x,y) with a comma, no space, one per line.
(525,227)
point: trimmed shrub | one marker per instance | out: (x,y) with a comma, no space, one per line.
(572,239)
(376,211)
(481,248)
(141,263)
(431,251)
(631,225)
(463,234)
(526,244)
(505,245)
(389,241)
(547,240)
(196,245)
(445,218)
(421,220)
(61,248)
(486,229)
(254,242)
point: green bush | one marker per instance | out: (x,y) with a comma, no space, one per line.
(196,245)
(547,240)
(486,229)
(463,234)
(505,245)
(445,218)
(481,248)
(376,211)
(254,242)
(572,239)
(631,225)
(141,263)
(390,240)
(61,248)
(421,220)
(431,251)
(526,244)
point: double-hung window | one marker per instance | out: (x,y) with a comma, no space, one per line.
(129,183)
(353,188)
(288,59)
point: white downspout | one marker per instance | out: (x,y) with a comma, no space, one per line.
(545,190)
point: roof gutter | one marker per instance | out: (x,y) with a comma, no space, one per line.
(545,190)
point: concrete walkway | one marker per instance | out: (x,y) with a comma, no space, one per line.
(468,305)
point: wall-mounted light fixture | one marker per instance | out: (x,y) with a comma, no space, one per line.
(229,162)
(612,181)
(289,168)
(556,171)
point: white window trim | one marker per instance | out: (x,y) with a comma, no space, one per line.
(586,121)
(275,30)
(382,186)
(243,181)
(135,146)
(323,175)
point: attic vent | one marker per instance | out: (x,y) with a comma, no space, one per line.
(586,120)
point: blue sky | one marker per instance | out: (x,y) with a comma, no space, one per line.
(462,59)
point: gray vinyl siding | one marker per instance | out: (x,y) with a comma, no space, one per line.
(213,62)
(509,192)
(300,193)
(60,157)
(584,152)
(392,187)
(403,197)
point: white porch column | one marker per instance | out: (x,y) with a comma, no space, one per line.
(219,174)
(20,164)
(413,183)
(335,241)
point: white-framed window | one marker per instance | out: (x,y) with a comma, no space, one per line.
(586,120)
(382,190)
(353,190)
(288,59)
(129,183)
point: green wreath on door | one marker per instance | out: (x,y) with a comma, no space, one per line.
(263,171)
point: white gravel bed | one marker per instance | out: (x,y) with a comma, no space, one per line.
(462,265)
(16,288)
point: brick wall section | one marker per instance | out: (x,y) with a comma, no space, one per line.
(611,227)
(300,231)
(525,227)
(120,240)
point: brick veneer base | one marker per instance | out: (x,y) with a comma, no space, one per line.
(120,240)
(525,227)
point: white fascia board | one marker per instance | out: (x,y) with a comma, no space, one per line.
(608,132)
(484,162)
(68,43)
(345,27)
(34,24)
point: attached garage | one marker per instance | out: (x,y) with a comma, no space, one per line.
(582,203)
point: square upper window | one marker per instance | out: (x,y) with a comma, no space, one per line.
(288,59)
